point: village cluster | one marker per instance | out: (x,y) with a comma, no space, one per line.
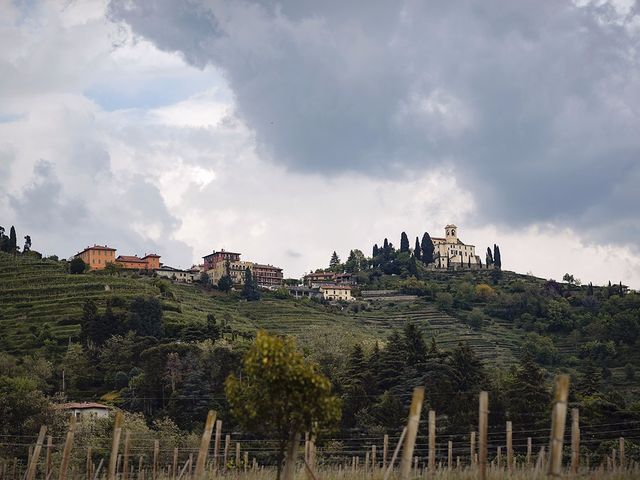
(449,252)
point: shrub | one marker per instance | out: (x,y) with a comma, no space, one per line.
(484,292)
(77,265)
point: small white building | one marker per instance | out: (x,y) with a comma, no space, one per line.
(85,409)
(177,275)
(336,292)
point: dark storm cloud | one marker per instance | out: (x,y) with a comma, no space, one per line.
(534,104)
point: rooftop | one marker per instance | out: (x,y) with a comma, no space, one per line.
(80,405)
(97,247)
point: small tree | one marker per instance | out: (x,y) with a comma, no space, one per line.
(13,240)
(334,263)
(404,242)
(250,289)
(77,265)
(27,244)
(489,259)
(225,284)
(281,394)
(417,251)
(497,259)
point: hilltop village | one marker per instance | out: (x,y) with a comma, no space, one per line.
(225,269)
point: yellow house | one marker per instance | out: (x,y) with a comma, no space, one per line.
(336,292)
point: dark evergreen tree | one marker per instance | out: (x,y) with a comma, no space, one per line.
(527,396)
(225,284)
(77,265)
(145,317)
(621,290)
(334,263)
(404,242)
(469,378)
(416,347)
(590,290)
(609,290)
(497,260)
(250,289)
(412,266)
(375,250)
(13,240)
(385,247)
(393,360)
(27,244)
(417,250)
(213,329)
(4,241)
(427,249)
(489,259)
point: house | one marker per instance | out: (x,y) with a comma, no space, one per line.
(97,257)
(221,263)
(328,278)
(336,292)
(177,275)
(299,292)
(85,409)
(150,261)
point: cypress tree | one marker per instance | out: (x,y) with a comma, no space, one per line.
(497,260)
(417,251)
(621,290)
(404,242)
(416,347)
(385,246)
(427,249)
(375,250)
(13,240)
(489,259)
(590,290)
(250,288)
(392,363)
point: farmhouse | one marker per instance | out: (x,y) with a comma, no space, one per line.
(178,275)
(336,292)
(85,409)
(150,261)
(97,257)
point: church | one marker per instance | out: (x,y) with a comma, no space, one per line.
(450,252)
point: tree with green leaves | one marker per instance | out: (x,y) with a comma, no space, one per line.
(417,250)
(427,249)
(528,398)
(77,265)
(497,259)
(250,289)
(334,262)
(404,242)
(355,262)
(145,317)
(282,395)
(225,284)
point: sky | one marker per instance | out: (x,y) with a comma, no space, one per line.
(286,130)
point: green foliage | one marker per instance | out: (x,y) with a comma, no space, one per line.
(404,243)
(427,249)
(23,406)
(77,265)
(444,301)
(334,262)
(225,284)
(250,289)
(540,348)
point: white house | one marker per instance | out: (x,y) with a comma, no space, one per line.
(85,409)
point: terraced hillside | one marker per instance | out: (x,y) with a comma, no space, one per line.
(39,299)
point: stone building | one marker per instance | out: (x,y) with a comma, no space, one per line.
(150,261)
(451,252)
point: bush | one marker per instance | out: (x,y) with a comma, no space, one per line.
(484,292)
(541,348)
(444,301)
(77,265)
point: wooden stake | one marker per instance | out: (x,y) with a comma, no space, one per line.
(575,440)
(432,441)
(622,455)
(47,468)
(412,430)
(246,460)
(66,452)
(33,464)
(374,462)
(204,445)
(125,458)
(395,454)
(216,445)
(483,417)
(529,451)
(174,464)
(156,453)
(557,425)
(472,456)
(227,446)
(237,455)
(140,466)
(385,450)
(499,458)
(510,447)
(449,454)
(115,445)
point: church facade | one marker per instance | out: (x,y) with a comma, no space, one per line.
(451,252)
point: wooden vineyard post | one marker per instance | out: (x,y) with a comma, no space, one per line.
(374,461)
(238,456)
(204,445)
(622,453)
(529,451)
(66,452)
(115,444)
(385,450)
(557,425)
(510,447)
(499,458)
(472,446)
(47,462)
(575,440)
(483,417)
(140,467)
(449,454)
(432,441)
(366,462)
(387,473)
(89,464)
(33,463)
(227,446)
(125,457)
(156,452)
(216,445)
(174,464)
(246,460)
(412,430)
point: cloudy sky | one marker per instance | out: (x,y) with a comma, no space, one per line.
(289,129)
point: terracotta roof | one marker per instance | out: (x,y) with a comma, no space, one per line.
(270,267)
(129,258)
(221,251)
(152,255)
(80,405)
(97,247)
(337,287)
